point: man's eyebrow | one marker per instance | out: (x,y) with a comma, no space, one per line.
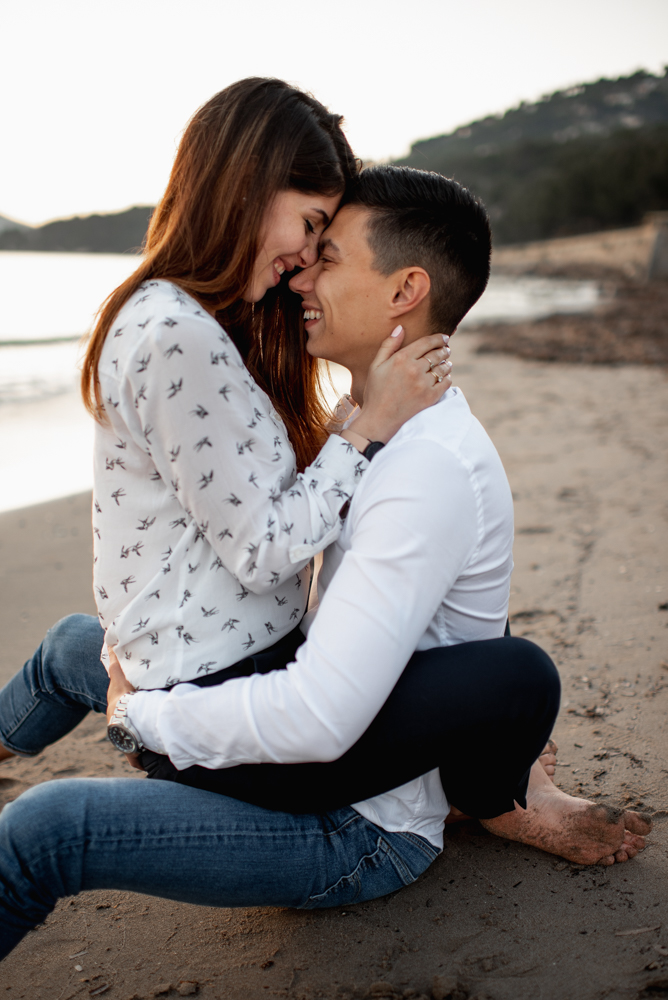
(330,245)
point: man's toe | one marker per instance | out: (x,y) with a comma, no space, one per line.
(638,823)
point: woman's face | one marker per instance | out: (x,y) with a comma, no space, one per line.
(293,224)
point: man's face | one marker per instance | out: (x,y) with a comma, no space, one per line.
(351,300)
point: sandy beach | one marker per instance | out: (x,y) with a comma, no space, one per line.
(584,448)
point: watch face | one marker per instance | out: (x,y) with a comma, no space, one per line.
(122,739)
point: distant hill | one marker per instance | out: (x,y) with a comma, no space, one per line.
(588,158)
(579,160)
(6,223)
(118,232)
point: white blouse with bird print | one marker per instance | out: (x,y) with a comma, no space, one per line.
(203,531)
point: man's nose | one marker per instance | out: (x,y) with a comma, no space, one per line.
(304,282)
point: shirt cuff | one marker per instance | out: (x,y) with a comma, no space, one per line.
(143,712)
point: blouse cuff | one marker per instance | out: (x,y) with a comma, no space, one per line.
(342,463)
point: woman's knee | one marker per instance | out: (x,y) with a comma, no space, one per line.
(81,634)
(41,817)
(41,857)
(70,648)
(42,839)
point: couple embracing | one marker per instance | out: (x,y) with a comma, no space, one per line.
(294,758)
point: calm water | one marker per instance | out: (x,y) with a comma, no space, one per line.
(49,297)
(48,302)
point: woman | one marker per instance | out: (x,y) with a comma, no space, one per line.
(200,384)
(257,163)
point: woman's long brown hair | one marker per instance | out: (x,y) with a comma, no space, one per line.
(251,140)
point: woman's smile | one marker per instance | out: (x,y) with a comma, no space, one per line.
(276,269)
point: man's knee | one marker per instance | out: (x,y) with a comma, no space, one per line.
(534,672)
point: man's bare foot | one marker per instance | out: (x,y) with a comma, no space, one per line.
(548,759)
(575,829)
(456,816)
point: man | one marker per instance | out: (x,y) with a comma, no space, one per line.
(423,563)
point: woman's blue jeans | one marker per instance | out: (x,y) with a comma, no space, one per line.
(162,838)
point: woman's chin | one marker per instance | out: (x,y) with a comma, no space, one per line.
(256,293)
(261,286)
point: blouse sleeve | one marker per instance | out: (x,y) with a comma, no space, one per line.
(192,406)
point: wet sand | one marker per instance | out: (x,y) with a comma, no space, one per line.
(628,327)
(584,447)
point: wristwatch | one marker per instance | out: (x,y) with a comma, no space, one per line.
(120,731)
(372,449)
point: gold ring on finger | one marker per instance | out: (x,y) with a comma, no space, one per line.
(438,378)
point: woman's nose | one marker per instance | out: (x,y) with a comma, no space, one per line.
(308,257)
(309,254)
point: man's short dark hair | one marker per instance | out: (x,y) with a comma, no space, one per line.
(421,219)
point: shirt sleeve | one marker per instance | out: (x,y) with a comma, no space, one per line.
(191,404)
(415,528)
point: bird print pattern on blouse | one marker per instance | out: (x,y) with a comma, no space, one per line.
(203,531)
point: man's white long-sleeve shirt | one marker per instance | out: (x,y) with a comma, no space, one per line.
(423,560)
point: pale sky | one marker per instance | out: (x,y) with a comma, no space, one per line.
(94,94)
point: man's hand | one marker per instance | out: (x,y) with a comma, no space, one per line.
(118,685)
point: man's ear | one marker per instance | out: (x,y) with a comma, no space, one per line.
(412,286)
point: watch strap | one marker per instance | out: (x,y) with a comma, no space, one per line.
(372,449)
(120,716)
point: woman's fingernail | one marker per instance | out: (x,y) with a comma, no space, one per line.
(397,330)
(448,364)
(446,338)
(448,352)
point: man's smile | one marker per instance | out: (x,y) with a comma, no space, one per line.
(312,315)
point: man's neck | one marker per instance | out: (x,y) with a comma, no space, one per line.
(414,330)
(358,384)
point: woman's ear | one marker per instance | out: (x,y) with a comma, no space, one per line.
(412,287)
